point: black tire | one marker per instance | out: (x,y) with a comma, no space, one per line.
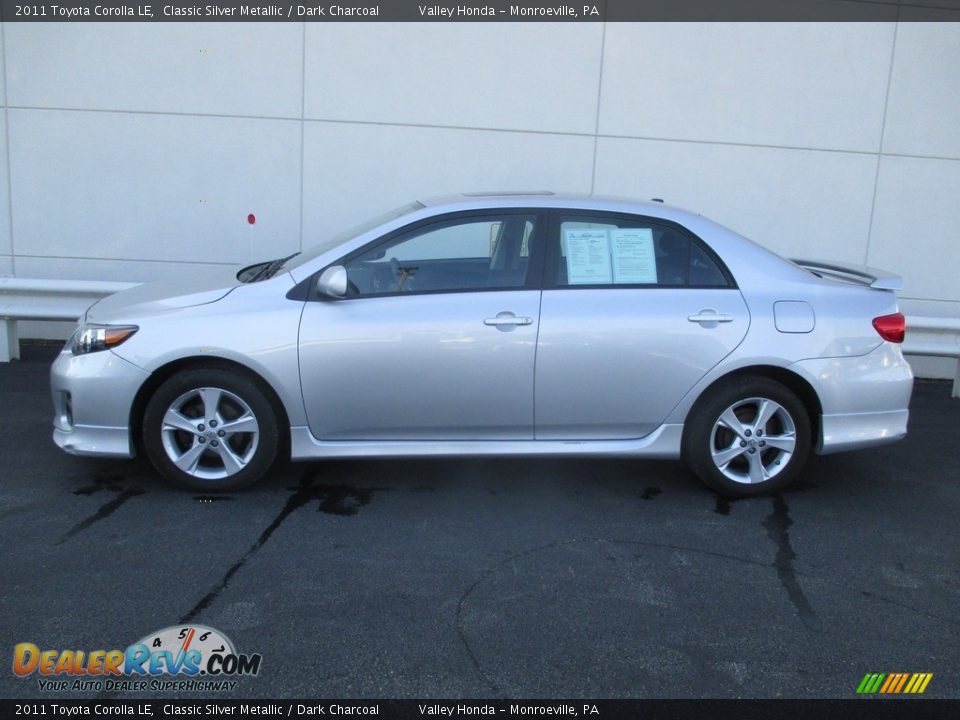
(742,462)
(225,459)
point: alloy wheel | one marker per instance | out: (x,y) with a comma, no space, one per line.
(210,433)
(753,440)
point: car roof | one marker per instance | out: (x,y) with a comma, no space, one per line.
(550,199)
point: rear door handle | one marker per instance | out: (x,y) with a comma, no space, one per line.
(507,319)
(710,316)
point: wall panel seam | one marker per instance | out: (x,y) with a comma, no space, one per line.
(516,131)
(883,131)
(130,260)
(596,119)
(303,102)
(6,140)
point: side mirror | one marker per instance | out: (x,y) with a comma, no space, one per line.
(333,282)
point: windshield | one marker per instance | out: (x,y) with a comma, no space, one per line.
(353,232)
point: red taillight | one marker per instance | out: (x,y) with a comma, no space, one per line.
(891,327)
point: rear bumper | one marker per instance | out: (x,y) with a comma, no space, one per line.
(853,432)
(865,400)
(92,398)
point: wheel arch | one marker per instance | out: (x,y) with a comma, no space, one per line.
(165,372)
(797,384)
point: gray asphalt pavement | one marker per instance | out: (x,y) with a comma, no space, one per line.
(493,578)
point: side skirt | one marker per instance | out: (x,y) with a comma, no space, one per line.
(664,443)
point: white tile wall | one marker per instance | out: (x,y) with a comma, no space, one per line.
(916,225)
(3,76)
(227,68)
(924,105)
(150,187)
(529,76)
(772,129)
(352,172)
(6,241)
(818,85)
(795,202)
(53,268)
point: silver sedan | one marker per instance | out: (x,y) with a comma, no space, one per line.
(520,324)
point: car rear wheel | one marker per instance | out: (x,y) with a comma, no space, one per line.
(210,429)
(747,437)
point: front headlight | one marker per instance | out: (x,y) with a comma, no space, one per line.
(93,338)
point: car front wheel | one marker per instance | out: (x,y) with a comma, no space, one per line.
(750,436)
(210,429)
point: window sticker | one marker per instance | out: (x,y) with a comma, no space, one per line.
(588,257)
(634,260)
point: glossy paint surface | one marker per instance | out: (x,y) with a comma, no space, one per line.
(538,369)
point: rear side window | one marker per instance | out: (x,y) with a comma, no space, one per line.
(615,250)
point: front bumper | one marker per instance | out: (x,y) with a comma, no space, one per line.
(864,399)
(92,398)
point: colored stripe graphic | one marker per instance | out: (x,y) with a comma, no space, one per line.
(892,680)
(894,683)
(870,683)
(899,687)
(918,683)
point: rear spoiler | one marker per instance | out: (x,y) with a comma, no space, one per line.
(880,279)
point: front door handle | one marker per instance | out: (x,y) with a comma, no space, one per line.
(507,320)
(710,316)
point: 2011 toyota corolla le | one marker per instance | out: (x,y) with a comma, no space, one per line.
(496,325)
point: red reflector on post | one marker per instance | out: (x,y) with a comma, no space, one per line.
(891,327)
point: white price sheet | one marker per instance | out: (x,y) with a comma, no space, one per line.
(588,257)
(634,260)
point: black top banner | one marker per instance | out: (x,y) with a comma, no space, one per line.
(485,11)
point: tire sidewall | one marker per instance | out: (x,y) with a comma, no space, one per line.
(226,379)
(706,411)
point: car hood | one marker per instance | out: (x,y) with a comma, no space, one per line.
(158,297)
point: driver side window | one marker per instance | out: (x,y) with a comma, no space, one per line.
(466,253)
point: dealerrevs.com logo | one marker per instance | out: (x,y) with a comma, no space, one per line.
(193,657)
